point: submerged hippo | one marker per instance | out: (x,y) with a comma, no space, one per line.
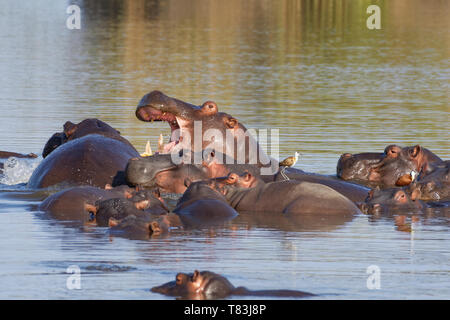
(200,206)
(402,165)
(142,204)
(69,204)
(160,171)
(435,186)
(391,200)
(197,128)
(204,285)
(357,166)
(290,197)
(95,158)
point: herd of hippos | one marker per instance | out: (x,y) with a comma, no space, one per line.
(99,178)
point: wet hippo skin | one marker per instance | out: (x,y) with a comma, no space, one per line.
(204,285)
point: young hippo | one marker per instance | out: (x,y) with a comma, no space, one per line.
(144,203)
(434,186)
(205,285)
(392,200)
(402,165)
(292,197)
(69,204)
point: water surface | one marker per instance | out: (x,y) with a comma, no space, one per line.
(310,69)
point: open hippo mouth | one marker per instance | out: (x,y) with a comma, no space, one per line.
(156,106)
(150,114)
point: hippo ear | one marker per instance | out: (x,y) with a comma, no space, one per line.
(414,152)
(187,182)
(210,108)
(231,122)
(154,228)
(195,275)
(69,128)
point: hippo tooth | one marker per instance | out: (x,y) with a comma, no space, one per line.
(160,142)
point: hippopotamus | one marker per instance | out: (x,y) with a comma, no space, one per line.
(402,165)
(434,186)
(142,204)
(357,166)
(205,285)
(198,128)
(69,204)
(290,197)
(391,200)
(72,131)
(200,206)
(159,171)
(94,154)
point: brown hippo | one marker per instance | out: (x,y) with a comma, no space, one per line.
(72,131)
(290,197)
(391,200)
(205,285)
(402,165)
(96,158)
(197,128)
(69,204)
(160,171)
(143,204)
(357,166)
(200,206)
(434,186)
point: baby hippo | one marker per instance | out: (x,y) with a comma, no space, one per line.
(142,203)
(393,200)
(206,285)
(290,197)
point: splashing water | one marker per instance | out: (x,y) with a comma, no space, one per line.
(17,170)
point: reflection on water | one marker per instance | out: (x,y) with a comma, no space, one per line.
(308,68)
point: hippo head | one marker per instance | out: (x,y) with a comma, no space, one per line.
(197,285)
(73,131)
(390,201)
(160,171)
(399,167)
(198,128)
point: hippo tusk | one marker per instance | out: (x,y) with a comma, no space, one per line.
(148,150)
(160,143)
